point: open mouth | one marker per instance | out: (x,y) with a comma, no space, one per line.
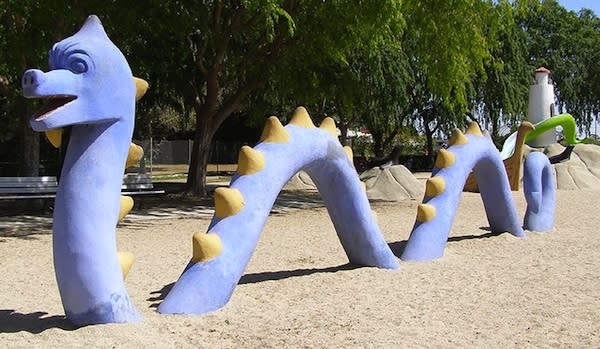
(52,104)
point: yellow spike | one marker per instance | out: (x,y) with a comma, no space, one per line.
(474,129)
(250,161)
(375,216)
(274,132)
(425,213)
(328,125)
(301,118)
(363,185)
(54,136)
(134,155)
(435,186)
(126,206)
(458,138)
(228,202)
(349,153)
(205,246)
(125,261)
(445,159)
(141,86)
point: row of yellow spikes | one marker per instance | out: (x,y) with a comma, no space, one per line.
(134,155)
(436,184)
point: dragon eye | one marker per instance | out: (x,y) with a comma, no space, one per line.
(78,66)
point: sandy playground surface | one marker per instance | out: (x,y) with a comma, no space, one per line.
(298,291)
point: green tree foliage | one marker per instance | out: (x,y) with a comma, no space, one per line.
(567,43)
(27,28)
(384,96)
(446,43)
(502,91)
(383,64)
(216,54)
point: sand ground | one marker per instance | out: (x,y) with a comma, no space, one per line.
(298,291)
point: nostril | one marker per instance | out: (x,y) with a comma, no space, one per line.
(29,79)
(32,79)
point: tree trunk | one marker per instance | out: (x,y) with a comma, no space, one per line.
(377,144)
(29,164)
(196,180)
(387,141)
(343,133)
(429,137)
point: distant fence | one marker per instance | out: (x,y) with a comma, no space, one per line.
(176,152)
(179,152)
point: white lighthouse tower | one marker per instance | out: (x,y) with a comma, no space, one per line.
(541,106)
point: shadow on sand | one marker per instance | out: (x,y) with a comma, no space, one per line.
(158,296)
(12,321)
(399,246)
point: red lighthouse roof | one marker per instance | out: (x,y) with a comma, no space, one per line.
(542,70)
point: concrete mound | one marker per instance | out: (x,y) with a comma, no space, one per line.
(581,171)
(392,183)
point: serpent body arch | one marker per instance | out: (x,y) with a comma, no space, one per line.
(221,255)
(470,151)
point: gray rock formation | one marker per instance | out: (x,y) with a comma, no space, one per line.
(581,171)
(393,183)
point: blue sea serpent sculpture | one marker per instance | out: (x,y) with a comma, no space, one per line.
(539,186)
(472,151)
(90,87)
(221,255)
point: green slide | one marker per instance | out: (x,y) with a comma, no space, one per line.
(565,120)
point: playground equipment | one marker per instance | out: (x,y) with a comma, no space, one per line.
(512,150)
(540,192)
(512,164)
(221,255)
(470,151)
(90,87)
(474,152)
(566,121)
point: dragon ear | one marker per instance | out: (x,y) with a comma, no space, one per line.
(141,86)
(93,27)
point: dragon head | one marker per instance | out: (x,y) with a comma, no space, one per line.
(89,82)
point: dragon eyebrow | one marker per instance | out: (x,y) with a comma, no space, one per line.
(64,48)
(80,51)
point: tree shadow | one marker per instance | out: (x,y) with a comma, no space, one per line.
(12,321)
(158,296)
(25,227)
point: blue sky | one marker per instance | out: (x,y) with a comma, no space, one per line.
(576,5)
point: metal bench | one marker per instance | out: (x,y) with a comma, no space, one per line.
(28,187)
(12,188)
(138,184)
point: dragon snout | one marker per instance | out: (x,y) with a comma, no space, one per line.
(31,80)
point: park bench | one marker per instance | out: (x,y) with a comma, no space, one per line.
(12,188)
(138,184)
